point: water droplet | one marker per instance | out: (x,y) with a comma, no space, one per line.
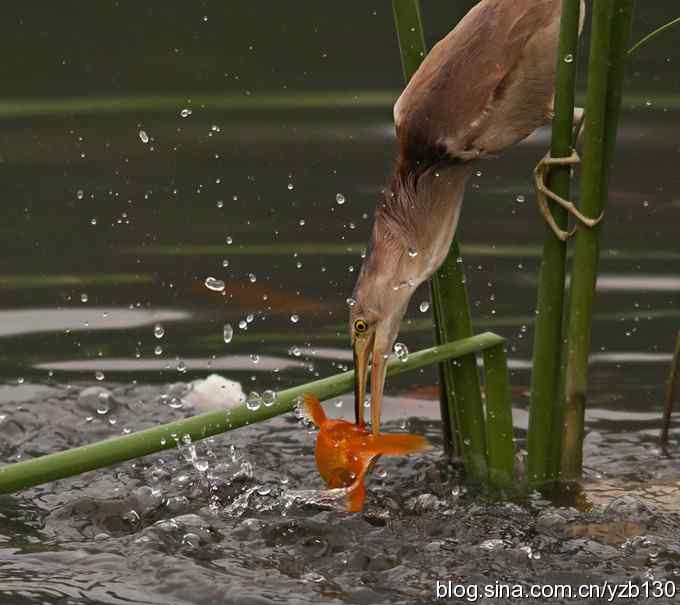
(412,252)
(252,277)
(143,136)
(201,465)
(227,333)
(255,358)
(401,351)
(229,240)
(80,194)
(291,186)
(220,204)
(520,199)
(158,350)
(301,222)
(340,199)
(569,58)
(216,285)
(269,398)
(99,375)
(294,318)
(83,298)
(254,401)
(93,221)
(181,367)
(186,112)
(158,331)
(424,306)
(351,302)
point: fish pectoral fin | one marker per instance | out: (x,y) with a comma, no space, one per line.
(312,410)
(397,445)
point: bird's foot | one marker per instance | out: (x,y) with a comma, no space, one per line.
(543,193)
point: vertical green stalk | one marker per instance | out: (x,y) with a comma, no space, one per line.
(461,396)
(672,394)
(545,416)
(500,446)
(612,21)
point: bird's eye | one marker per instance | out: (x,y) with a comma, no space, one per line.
(360,326)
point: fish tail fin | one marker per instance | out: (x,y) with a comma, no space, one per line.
(312,410)
(396,445)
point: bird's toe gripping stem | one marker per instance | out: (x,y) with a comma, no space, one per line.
(543,193)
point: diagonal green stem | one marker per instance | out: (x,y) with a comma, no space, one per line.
(461,402)
(14,477)
(612,21)
(649,37)
(545,417)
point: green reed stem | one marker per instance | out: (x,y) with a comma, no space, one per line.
(672,394)
(461,402)
(14,477)
(545,411)
(500,446)
(612,21)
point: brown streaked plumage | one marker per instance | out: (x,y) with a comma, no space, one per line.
(486,86)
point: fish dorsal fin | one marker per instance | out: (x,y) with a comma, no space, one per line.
(312,410)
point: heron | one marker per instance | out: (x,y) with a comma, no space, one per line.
(486,86)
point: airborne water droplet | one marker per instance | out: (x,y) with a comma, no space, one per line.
(340,199)
(158,331)
(252,277)
(412,252)
(569,58)
(83,298)
(228,333)
(216,285)
(424,306)
(254,401)
(269,398)
(143,136)
(294,318)
(351,302)
(401,351)
(99,375)
(185,113)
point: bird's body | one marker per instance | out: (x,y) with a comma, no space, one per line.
(483,88)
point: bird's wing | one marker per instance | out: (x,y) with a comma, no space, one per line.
(449,97)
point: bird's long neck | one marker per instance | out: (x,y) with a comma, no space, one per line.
(419,216)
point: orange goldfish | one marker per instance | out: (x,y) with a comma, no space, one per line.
(346,451)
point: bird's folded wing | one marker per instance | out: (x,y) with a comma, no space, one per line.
(448,97)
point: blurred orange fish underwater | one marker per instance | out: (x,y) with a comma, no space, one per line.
(346,451)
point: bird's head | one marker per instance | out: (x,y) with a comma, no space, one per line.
(385,285)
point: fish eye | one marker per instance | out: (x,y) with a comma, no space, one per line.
(360,326)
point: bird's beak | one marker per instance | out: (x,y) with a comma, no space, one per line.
(362,351)
(363,347)
(378,371)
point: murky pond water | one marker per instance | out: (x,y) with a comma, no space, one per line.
(116,214)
